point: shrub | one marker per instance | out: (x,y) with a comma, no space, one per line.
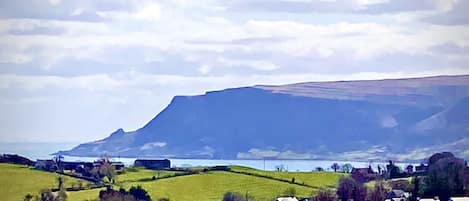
(231,196)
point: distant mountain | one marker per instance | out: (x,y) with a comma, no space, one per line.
(400,119)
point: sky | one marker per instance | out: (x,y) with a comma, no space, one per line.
(75,71)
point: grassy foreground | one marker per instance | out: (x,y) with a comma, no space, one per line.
(17,180)
(212,185)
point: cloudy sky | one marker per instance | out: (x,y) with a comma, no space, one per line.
(75,71)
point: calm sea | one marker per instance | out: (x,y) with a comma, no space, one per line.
(44,151)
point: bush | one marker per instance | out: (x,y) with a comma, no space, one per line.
(139,193)
(231,196)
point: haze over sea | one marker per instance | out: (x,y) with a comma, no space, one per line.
(44,151)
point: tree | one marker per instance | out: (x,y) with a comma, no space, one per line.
(416,190)
(436,157)
(60,181)
(346,168)
(445,176)
(325,195)
(104,170)
(348,188)
(335,167)
(280,168)
(378,193)
(393,171)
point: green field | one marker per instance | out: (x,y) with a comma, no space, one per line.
(212,186)
(314,179)
(16,181)
(141,175)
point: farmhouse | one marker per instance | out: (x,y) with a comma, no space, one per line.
(153,164)
(364,174)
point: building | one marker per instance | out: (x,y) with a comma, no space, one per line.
(397,195)
(364,174)
(153,164)
(286,199)
(118,166)
(76,165)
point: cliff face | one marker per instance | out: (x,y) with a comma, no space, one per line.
(400,119)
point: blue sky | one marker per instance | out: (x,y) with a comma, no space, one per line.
(74,71)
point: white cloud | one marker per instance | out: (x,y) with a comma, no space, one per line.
(55,2)
(134,55)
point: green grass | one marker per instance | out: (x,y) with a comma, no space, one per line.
(142,174)
(314,179)
(84,195)
(212,186)
(16,181)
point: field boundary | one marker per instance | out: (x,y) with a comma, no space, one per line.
(273,178)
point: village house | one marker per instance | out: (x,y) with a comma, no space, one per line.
(364,174)
(153,164)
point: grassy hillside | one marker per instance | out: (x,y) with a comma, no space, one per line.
(212,186)
(84,195)
(17,180)
(138,174)
(314,179)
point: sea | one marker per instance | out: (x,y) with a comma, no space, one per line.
(36,151)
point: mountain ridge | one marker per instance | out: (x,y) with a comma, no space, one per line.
(379,118)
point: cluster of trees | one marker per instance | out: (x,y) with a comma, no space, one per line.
(445,177)
(346,168)
(134,194)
